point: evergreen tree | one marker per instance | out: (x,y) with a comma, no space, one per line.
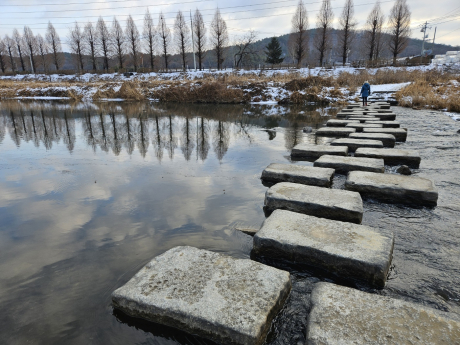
(274,52)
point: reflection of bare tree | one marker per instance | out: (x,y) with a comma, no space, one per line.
(221,139)
(130,137)
(171,142)
(293,136)
(88,130)
(115,140)
(35,137)
(47,138)
(69,137)
(143,137)
(157,141)
(187,144)
(243,128)
(15,130)
(2,127)
(103,142)
(202,140)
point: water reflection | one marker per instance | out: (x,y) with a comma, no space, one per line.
(127,127)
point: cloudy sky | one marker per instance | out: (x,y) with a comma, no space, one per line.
(267,17)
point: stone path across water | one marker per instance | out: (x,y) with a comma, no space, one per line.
(346,164)
(275,172)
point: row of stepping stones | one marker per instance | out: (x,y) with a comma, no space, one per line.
(234,301)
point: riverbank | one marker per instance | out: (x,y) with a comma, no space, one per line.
(326,86)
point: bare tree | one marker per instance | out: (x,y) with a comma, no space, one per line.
(133,37)
(347,25)
(10,47)
(245,50)
(18,41)
(373,31)
(298,39)
(31,45)
(323,30)
(104,42)
(43,51)
(399,28)
(199,30)
(149,34)
(76,43)
(3,55)
(182,37)
(90,43)
(54,43)
(219,37)
(165,36)
(119,41)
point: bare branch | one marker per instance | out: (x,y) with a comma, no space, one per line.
(54,43)
(199,31)
(298,40)
(90,43)
(399,23)
(150,36)
(245,51)
(165,37)
(76,42)
(118,37)
(19,43)
(182,37)
(219,37)
(323,30)
(133,37)
(103,41)
(347,25)
(31,45)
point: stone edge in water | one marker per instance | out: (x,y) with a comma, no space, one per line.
(304,175)
(341,315)
(372,270)
(196,324)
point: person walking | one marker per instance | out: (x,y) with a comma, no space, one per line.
(365,92)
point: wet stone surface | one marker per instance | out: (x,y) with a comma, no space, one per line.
(388,140)
(392,156)
(346,164)
(218,297)
(308,150)
(275,172)
(354,144)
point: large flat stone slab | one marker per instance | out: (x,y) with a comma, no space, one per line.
(363,119)
(312,176)
(335,131)
(410,158)
(215,296)
(341,315)
(314,151)
(339,123)
(315,201)
(346,164)
(393,188)
(399,133)
(385,124)
(385,116)
(343,249)
(354,144)
(388,140)
(360,126)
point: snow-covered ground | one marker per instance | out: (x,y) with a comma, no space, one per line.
(454,116)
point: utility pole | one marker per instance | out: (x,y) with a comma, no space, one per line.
(424,27)
(193,41)
(432,47)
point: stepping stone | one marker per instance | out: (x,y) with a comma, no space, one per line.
(315,201)
(343,249)
(410,158)
(341,315)
(335,131)
(384,111)
(346,164)
(393,188)
(385,117)
(215,296)
(360,126)
(314,151)
(388,140)
(399,133)
(385,124)
(363,119)
(339,123)
(354,144)
(298,174)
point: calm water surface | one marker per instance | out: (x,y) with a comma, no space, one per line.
(91,193)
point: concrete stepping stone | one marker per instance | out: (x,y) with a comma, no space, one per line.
(385,124)
(388,140)
(315,151)
(328,203)
(215,296)
(335,131)
(346,164)
(385,117)
(339,123)
(341,315)
(363,119)
(410,158)
(399,133)
(312,176)
(343,249)
(354,144)
(360,126)
(393,188)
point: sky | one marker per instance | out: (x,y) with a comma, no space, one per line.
(267,17)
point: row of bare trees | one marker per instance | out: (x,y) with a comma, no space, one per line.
(398,31)
(99,44)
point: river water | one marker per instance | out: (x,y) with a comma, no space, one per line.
(91,192)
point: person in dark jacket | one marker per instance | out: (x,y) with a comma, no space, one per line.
(365,92)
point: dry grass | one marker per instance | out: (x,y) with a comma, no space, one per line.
(207,92)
